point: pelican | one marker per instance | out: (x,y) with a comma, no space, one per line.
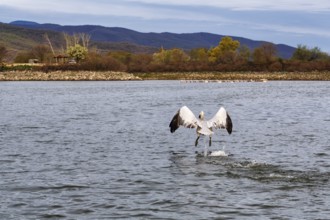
(184,117)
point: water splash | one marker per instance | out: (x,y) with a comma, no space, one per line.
(205,148)
(219,153)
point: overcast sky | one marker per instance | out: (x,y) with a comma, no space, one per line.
(291,22)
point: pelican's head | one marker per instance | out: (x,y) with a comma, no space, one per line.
(201,115)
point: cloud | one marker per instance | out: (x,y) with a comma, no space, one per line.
(281,5)
(157,8)
(120,8)
(289,29)
(73,6)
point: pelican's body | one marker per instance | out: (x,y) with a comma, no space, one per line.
(184,117)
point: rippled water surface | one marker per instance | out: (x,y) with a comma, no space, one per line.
(103,150)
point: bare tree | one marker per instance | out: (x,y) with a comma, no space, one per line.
(50,44)
(85,38)
(68,40)
(41,52)
(72,40)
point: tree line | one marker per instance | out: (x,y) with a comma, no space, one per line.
(228,55)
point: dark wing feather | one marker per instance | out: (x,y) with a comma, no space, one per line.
(175,122)
(184,117)
(229,124)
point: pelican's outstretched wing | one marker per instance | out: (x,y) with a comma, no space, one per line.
(184,117)
(221,120)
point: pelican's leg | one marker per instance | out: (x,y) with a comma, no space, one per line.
(210,140)
(196,142)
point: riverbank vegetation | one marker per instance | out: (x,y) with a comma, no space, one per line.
(227,60)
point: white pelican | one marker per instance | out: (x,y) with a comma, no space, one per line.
(184,117)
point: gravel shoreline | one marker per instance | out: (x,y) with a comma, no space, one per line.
(238,76)
(66,76)
(187,76)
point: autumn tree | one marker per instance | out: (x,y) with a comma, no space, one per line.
(161,57)
(303,53)
(173,56)
(178,56)
(3,53)
(225,52)
(265,54)
(77,52)
(122,56)
(199,55)
(140,62)
(244,53)
(97,62)
(23,57)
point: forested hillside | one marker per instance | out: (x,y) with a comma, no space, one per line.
(185,41)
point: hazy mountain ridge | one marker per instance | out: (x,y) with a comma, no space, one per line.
(18,39)
(186,41)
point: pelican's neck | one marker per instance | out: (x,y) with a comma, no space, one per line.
(201,116)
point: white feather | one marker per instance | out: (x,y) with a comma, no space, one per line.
(204,129)
(219,120)
(187,118)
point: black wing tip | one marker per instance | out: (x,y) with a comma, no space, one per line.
(174,123)
(229,123)
(172,127)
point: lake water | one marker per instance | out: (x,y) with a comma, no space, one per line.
(103,150)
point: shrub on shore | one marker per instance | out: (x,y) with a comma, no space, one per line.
(228,56)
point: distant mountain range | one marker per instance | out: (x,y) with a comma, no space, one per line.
(188,41)
(20,39)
